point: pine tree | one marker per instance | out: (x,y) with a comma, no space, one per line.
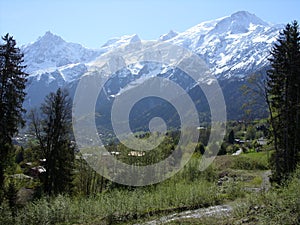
(53,131)
(231,137)
(12,85)
(283,89)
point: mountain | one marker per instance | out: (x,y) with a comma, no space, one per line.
(233,48)
(118,41)
(168,36)
(51,51)
(52,63)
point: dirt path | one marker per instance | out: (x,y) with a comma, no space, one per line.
(266,185)
(218,210)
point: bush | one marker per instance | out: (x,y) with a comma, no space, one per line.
(6,214)
(232,149)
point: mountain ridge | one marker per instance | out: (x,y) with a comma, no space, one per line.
(211,40)
(233,47)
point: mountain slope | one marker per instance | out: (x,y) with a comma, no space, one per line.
(233,48)
(51,51)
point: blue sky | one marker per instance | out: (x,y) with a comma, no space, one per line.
(93,22)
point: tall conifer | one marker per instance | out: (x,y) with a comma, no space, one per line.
(283,89)
(12,94)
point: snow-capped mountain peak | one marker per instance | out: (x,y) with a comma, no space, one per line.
(238,22)
(50,38)
(247,18)
(231,45)
(119,41)
(51,51)
(168,36)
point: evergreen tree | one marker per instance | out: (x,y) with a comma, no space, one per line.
(283,89)
(12,85)
(231,137)
(53,131)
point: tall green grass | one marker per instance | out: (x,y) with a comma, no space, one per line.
(281,205)
(190,188)
(249,161)
(117,204)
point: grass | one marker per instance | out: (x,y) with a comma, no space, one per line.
(249,161)
(261,158)
(255,182)
(189,189)
(278,206)
(119,205)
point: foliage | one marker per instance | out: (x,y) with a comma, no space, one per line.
(250,133)
(87,182)
(53,132)
(255,92)
(283,89)
(12,85)
(231,137)
(6,214)
(188,189)
(247,163)
(278,206)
